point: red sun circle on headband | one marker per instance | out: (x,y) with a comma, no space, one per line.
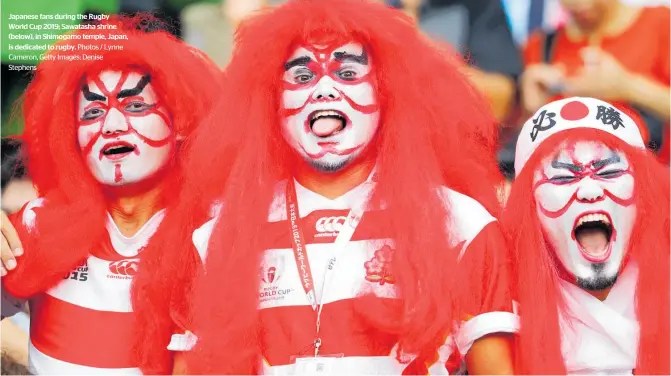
(574,111)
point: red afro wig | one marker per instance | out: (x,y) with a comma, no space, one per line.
(537,274)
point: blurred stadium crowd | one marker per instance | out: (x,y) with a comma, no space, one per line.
(520,53)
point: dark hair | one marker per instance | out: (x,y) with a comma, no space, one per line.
(12,160)
(9,365)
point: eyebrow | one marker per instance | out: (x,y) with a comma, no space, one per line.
(344,56)
(605,162)
(303,60)
(90,96)
(144,81)
(568,166)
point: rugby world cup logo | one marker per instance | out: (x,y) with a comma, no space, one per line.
(272,269)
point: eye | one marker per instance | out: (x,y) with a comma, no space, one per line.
(611,174)
(137,106)
(93,113)
(303,76)
(563,179)
(347,74)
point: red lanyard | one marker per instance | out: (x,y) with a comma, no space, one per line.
(298,244)
(300,253)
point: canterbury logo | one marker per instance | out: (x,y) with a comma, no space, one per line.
(330,224)
(124,267)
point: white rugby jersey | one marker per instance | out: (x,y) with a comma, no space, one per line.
(84,325)
(601,337)
(288,318)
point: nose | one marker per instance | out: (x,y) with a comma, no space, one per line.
(589,191)
(325,90)
(114,123)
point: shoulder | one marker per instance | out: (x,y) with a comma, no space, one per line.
(659,14)
(467,217)
(27,216)
(532,48)
(201,235)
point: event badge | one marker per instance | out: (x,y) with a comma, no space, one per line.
(319,365)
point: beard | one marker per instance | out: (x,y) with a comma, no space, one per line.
(599,280)
(330,167)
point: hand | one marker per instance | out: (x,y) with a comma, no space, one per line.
(537,83)
(10,246)
(602,76)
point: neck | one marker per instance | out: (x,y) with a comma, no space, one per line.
(617,18)
(599,294)
(130,211)
(336,184)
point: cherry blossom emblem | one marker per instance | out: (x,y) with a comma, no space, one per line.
(378,269)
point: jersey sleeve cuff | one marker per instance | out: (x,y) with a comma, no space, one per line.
(485,324)
(182,342)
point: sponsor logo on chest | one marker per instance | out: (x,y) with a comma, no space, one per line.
(123,269)
(329,226)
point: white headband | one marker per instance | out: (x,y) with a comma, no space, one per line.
(572,113)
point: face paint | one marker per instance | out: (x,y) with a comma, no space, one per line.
(585,202)
(124,132)
(329,106)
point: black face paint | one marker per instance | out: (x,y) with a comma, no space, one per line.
(609,116)
(538,123)
(303,60)
(90,96)
(144,81)
(605,162)
(344,56)
(568,166)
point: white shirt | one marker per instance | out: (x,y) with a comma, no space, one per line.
(601,337)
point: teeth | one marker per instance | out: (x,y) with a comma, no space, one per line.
(593,218)
(326,113)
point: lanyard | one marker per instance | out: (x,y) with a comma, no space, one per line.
(302,262)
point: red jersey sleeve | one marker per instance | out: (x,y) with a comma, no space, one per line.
(14,281)
(532,51)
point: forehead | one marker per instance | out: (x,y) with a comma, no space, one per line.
(326,52)
(583,152)
(109,81)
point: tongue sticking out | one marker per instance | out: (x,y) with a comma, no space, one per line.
(326,126)
(593,241)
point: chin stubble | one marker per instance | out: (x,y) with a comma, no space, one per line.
(599,281)
(329,167)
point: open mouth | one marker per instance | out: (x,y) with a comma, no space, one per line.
(327,123)
(593,232)
(117,150)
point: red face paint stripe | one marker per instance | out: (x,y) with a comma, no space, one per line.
(368,109)
(620,201)
(561,211)
(330,150)
(117,173)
